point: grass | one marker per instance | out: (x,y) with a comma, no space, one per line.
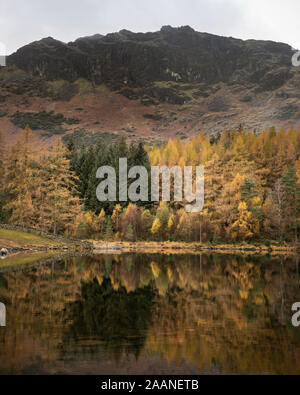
(25,259)
(56,85)
(84,85)
(10,238)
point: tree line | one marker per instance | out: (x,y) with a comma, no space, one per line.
(252,189)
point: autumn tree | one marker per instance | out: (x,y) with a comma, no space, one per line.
(156,227)
(163,214)
(246,226)
(131,217)
(275,220)
(251,196)
(116,219)
(62,201)
(225,207)
(146,222)
(21,180)
(292,189)
(108,229)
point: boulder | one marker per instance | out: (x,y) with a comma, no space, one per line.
(3,253)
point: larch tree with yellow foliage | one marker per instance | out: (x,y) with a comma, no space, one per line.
(246,226)
(62,204)
(22,177)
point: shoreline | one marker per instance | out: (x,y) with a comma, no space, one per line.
(16,240)
(196,248)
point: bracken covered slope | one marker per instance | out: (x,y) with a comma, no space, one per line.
(152,85)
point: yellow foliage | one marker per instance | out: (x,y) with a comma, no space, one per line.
(156,226)
(155,269)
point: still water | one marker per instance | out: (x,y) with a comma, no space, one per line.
(151,314)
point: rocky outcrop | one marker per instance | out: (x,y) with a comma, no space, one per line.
(114,84)
(137,60)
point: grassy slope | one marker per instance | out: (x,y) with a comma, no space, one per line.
(17,239)
(25,259)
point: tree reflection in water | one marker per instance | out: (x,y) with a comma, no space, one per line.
(151,313)
(117,318)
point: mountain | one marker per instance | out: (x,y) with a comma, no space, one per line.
(151,85)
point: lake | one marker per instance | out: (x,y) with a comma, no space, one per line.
(150,314)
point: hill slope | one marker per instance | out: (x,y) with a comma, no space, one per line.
(150,85)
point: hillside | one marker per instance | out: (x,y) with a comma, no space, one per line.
(153,86)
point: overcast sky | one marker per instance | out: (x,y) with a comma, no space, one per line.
(24,21)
